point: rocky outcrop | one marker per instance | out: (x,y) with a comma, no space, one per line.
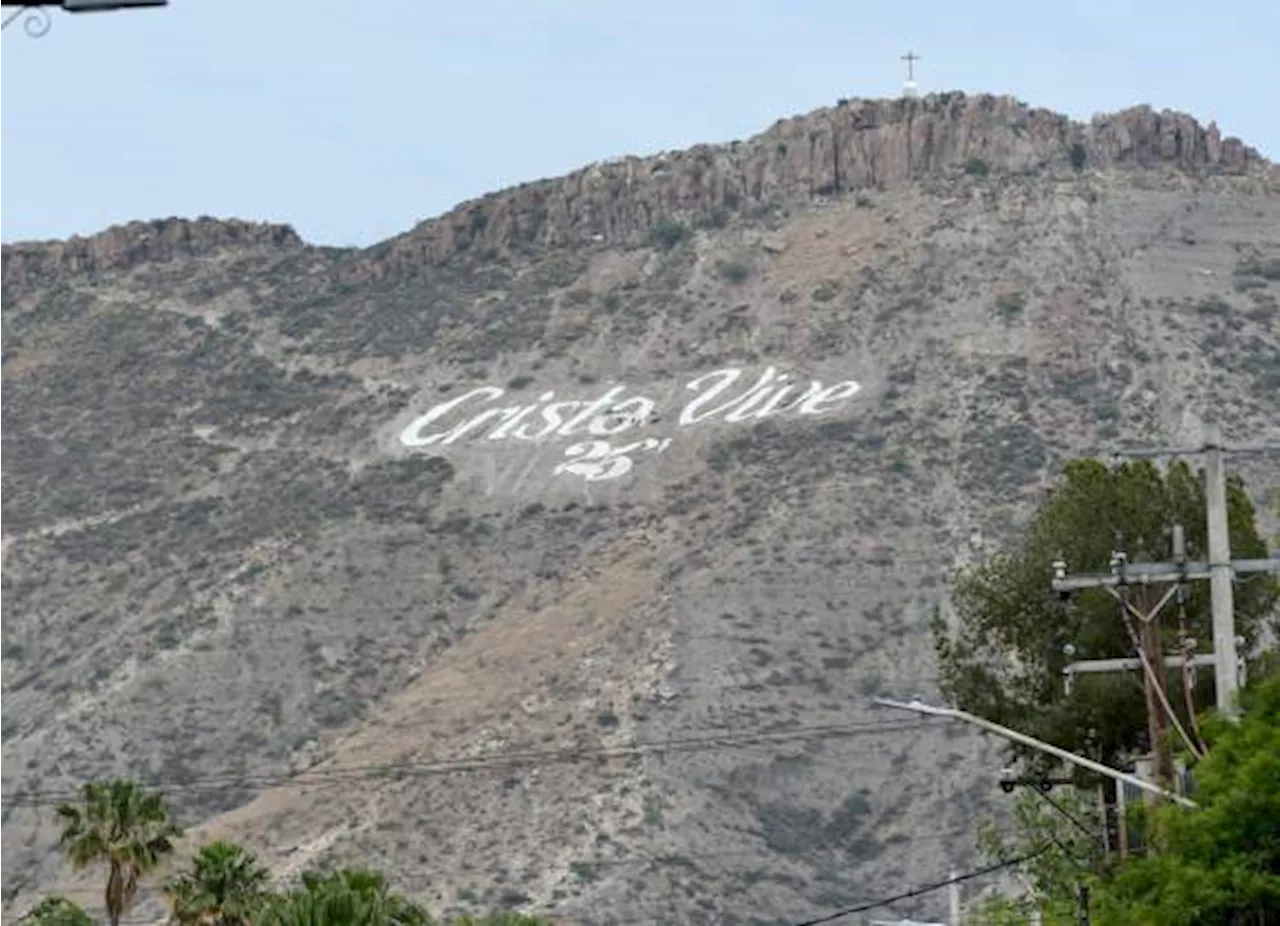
(124,246)
(856,144)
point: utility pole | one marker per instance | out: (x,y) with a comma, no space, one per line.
(1226,678)
(1156,690)
(1219,570)
(1153,677)
(1123,575)
(953,896)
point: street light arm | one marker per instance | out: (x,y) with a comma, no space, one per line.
(104,6)
(956,714)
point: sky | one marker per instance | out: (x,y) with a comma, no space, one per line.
(353,121)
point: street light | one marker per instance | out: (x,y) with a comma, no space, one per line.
(86,6)
(36,20)
(955,713)
(97,6)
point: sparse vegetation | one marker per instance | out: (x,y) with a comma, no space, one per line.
(733,271)
(1263,268)
(977,167)
(825,291)
(585,872)
(1078,156)
(667,234)
(1010,305)
(653,810)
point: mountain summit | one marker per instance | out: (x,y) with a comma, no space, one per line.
(548,555)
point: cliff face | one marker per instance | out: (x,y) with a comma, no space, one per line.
(548,555)
(859,144)
(856,145)
(126,246)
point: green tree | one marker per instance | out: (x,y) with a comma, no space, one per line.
(1061,832)
(123,826)
(346,897)
(1218,863)
(224,885)
(1003,660)
(56,911)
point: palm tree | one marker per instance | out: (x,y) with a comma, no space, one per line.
(56,911)
(224,886)
(124,826)
(347,897)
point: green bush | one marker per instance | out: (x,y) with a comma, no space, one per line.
(1010,305)
(976,167)
(1078,156)
(733,271)
(825,291)
(668,234)
(1268,269)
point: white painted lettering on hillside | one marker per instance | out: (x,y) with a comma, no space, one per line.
(479,417)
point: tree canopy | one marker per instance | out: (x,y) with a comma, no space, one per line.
(223,885)
(123,826)
(346,897)
(1004,656)
(56,911)
(1218,863)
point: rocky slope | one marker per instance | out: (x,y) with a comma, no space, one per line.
(470,556)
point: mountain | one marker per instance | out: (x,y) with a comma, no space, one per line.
(548,555)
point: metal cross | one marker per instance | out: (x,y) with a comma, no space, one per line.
(911,58)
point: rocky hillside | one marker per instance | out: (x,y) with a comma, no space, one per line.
(547,555)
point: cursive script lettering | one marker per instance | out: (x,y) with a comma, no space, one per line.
(835,393)
(613,413)
(412,436)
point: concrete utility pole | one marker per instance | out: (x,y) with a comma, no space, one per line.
(1226,678)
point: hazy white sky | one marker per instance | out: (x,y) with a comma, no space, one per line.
(355,120)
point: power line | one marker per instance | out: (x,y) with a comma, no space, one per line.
(668,859)
(683,687)
(503,761)
(907,895)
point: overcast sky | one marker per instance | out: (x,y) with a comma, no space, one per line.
(353,121)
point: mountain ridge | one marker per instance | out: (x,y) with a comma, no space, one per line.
(857,144)
(229,555)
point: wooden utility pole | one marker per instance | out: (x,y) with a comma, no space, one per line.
(1146,640)
(1156,691)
